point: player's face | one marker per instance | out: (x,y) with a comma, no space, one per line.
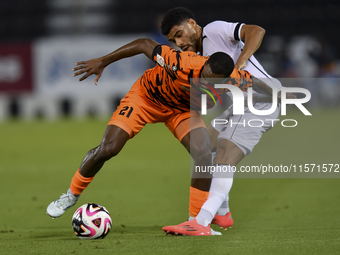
(185,35)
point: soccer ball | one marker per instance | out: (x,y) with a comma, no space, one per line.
(91,221)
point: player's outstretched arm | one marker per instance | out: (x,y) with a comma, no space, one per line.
(97,65)
(252,36)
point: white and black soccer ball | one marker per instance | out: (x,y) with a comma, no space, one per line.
(91,221)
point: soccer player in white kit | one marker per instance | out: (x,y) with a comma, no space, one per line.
(231,141)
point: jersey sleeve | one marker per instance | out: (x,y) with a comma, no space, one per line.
(177,63)
(240,79)
(227,30)
(158,54)
(246,80)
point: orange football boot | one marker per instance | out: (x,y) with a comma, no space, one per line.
(225,221)
(188,228)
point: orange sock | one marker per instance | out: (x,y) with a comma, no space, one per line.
(79,183)
(196,200)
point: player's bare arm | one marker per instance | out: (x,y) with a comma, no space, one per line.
(96,66)
(252,36)
(266,91)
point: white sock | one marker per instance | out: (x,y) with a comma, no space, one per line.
(219,190)
(73,196)
(224,209)
(204,217)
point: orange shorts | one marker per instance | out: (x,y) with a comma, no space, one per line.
(135,110)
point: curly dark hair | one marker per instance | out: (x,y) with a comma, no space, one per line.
(175,17)
(221,63)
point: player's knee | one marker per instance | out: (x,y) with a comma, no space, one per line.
(108,150)
(202,152)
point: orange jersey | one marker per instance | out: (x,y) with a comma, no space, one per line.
(241,79)
(168,83)
(165,94)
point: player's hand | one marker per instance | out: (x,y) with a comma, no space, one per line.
(240,65)
(89,67)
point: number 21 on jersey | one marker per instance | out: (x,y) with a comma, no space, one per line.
(125,109)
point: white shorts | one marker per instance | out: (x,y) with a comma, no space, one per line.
(245,131)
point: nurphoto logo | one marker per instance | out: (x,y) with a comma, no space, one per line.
(238,104)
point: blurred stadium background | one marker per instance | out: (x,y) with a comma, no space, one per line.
(41,41)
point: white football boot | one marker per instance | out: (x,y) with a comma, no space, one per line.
(58,207)
(215,233)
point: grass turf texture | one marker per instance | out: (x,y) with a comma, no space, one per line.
(146,187)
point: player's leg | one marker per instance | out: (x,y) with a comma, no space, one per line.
(220,186)
(214,130)
(190,130)
(235,141)
(113,141)
(197,144)
(125,123)
(194,196)
(228,155)
(219,190)
(243,138)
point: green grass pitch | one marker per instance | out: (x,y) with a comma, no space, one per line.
(146,187)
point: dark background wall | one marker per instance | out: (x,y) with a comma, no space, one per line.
(24,20)
(280,17)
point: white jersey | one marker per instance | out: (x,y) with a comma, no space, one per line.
(226,37)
